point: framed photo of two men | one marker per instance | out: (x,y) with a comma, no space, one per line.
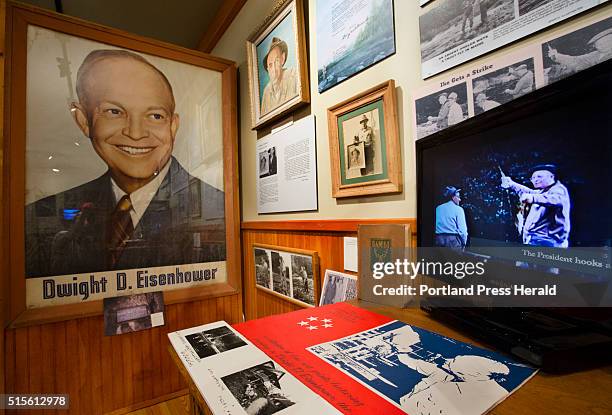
(110,135)
(278,64)
(364,144)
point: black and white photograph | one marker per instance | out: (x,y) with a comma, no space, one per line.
(259,389)
(303,281)
(264,164)
(577,51)
(267,163)
(338,287)
(453,22)
(355,159)
(441,109)
(281,279)
(262,268)
(131,313)
(525,6)
(422,372)
(503,85)
(361,133)
(214,341)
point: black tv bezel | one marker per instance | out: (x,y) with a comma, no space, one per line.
(546,97)
(569,359)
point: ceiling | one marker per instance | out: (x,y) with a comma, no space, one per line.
(181,22)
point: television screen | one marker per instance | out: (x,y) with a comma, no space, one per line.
(528,185)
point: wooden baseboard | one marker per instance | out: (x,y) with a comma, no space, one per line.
(150,402)
(328,225)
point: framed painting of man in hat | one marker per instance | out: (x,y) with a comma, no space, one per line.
(277,64)
(363,140)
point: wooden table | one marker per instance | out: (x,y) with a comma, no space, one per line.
(587,392)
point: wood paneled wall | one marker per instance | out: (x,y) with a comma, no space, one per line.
(325,237)
(102,373)
(3,247)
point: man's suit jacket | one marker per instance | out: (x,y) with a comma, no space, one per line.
(164,235)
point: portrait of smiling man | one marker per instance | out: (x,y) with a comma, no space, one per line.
(124,218)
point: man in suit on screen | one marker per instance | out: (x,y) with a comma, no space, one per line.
(124,218)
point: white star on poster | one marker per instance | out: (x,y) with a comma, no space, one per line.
(312,318)
(328,325)
(326,320)
(303,323)
(312,328)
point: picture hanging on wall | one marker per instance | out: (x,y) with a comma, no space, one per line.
(278,64)
(364,144)
(352,36)
(110,193)
(289,273)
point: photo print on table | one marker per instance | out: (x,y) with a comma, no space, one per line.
(423,372)
(214,341)
(259,389)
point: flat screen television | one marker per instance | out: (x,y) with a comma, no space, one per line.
(533,181)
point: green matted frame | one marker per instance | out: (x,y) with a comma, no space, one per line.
(389,178)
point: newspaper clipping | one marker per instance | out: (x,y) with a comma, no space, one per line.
(456,31)
(490,84)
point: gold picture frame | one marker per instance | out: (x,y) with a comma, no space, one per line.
(365,123)
(288,273)
(277,49)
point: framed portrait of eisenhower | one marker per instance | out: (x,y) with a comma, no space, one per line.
(123,168)
(278,64)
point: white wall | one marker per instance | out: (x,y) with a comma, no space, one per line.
(403,67)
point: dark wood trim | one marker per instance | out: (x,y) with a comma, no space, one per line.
(328,225)
(225,16)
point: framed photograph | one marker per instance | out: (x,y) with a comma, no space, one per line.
(364,144)
(278,64)
(289,273)
(338,287)
(352,36)
(110,194)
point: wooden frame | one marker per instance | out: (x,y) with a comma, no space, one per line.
(296,76)
(378,107)
(19,17)
(294,254)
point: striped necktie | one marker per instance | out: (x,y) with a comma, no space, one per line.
(120,229)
